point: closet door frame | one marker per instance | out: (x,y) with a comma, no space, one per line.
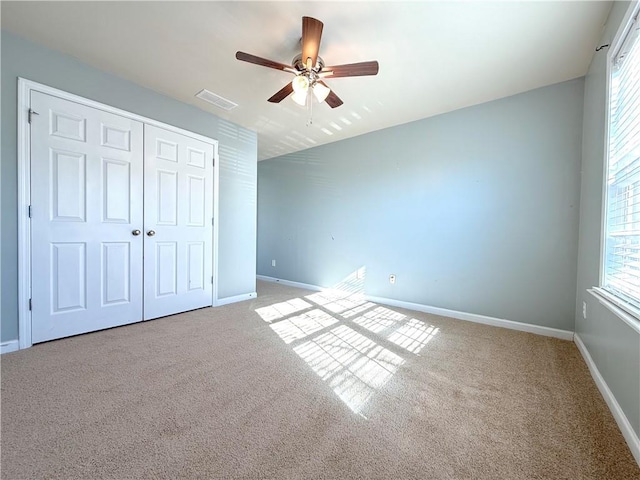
(25,88)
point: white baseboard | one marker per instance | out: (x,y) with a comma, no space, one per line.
(473,317)
(235,299)
(621,419)
(470,317)
(289,283)
(10,346)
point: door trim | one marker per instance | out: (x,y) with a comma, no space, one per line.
(25,87)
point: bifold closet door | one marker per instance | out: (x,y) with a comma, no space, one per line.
(86,225)
(178,217)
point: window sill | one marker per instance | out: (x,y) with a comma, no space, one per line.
(626,313)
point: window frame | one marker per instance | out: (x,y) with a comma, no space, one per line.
(626,311)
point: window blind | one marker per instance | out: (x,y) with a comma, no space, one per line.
(622,224)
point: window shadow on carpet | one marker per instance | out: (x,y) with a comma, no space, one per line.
(353,345)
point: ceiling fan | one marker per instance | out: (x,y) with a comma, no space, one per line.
(310,70)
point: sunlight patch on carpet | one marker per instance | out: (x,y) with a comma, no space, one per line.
(345,295)
(337,301)
(282,309)
(379,319)
(354,366)
(353,363)
(301,326)
(413,335)
(359,309)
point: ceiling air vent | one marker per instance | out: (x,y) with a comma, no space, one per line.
(217,100)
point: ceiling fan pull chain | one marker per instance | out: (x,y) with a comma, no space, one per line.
(310,102)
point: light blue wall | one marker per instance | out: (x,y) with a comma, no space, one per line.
(238,160)
(613,345)
(475,210)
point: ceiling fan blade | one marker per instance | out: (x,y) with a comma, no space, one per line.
(247,57)
(311,35)
(351,70)
(281,94)
(332,99)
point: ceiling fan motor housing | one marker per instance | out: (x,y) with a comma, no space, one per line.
(300,65)
(312,75)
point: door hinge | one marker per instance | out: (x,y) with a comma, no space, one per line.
(29,211)
(29,304)
(211,220)
(32,112)
(211,279)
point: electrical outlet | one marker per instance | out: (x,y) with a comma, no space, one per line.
(273,263)
(584,310)
(392,279)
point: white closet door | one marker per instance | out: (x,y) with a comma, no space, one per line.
(86,197)
(178,214)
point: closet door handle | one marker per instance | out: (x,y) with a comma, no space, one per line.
(136,232)
(151,233)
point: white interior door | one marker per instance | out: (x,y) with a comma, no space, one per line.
(86,199)
(178,216)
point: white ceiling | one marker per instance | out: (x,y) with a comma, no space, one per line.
(434,56)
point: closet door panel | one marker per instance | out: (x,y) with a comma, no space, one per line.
(178,192)
(86,202)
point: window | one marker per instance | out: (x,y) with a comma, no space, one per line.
(621,269)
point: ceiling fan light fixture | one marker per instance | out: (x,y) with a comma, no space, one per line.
(300,84)
(300,97)
(321,92)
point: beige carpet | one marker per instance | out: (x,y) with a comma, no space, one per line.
(300,385)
